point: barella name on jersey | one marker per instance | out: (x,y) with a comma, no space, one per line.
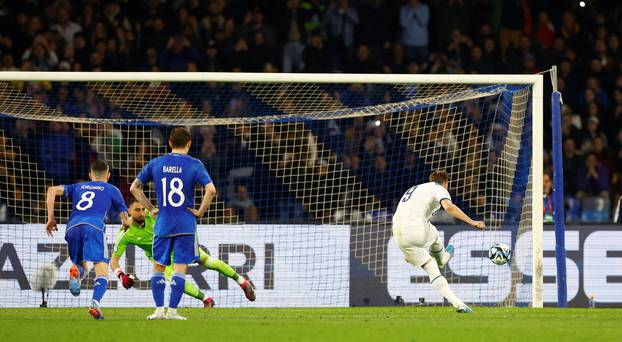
(92,187)
(171,169)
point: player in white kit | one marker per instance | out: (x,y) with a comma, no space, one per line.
(418,239)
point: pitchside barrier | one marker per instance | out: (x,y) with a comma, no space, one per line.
(283,263)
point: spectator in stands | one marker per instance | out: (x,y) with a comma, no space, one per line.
(341,21)
(593,131)
(241,59)
(593,178)
(414,18)
(179,52)
(56,152)
(41,57)
(363,63)
(211,60)
(293,53)
(260,52)
(64,26)
(244,205)
(547,184)
(545,30)
(316,56)
(396,63)
(572,162)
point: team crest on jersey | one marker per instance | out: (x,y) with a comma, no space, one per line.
(171,169)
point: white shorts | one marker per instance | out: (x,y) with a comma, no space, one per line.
(414,240)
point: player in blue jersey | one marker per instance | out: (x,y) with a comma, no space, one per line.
(174,176)
(85,229)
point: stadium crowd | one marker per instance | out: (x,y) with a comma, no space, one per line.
(364,36)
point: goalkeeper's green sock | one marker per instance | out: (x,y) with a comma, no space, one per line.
(222,268)
(193,291)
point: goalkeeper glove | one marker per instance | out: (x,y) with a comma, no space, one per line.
(126,279)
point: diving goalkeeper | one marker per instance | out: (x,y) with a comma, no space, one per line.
(140,234)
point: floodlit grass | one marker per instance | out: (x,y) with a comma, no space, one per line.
(333,324)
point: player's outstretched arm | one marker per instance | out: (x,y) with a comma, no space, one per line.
(137,191)
(53,191)
(454,211)
(119,249)
(208,195)
(126,279)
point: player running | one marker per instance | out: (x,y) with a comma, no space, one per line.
(140,234)
(85,229)
(418,239)
(174,176)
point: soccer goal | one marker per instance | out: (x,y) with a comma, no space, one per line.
(309,169)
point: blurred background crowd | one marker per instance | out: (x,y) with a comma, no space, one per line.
(350,36)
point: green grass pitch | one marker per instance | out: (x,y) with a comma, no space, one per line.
(333,324)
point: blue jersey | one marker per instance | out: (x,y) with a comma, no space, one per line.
(91,202)
(174,176)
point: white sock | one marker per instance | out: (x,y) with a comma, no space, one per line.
(171,311)
(159,310)
(440,284)
(241,280)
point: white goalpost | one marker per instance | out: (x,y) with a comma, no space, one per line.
(308,168)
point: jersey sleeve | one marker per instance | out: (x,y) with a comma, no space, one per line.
(146,174)
(200,175)
(120,244)
(117,200)
(68,190)
(442,193)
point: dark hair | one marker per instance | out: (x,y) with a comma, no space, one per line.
(99,167)
(180,136)
(131,202)
(439,176)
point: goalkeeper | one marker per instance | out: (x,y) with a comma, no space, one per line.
(140,234)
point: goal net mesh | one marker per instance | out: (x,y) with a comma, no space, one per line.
(308,177)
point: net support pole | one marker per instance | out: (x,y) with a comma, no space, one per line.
(537,201)
(558,197)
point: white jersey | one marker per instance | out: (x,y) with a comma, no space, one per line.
(420,202)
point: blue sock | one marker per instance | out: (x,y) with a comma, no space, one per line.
(158,284)
(81,270)
(101,283)
(178,284)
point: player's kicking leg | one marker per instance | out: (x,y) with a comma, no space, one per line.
(411,241)
(440,253)
(440,284)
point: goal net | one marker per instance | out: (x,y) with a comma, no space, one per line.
(309,170)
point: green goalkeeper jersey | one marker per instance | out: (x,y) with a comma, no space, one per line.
(137,236)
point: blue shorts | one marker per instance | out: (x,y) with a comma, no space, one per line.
(86,243)
(184,247)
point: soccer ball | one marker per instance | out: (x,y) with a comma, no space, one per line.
(499,253)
